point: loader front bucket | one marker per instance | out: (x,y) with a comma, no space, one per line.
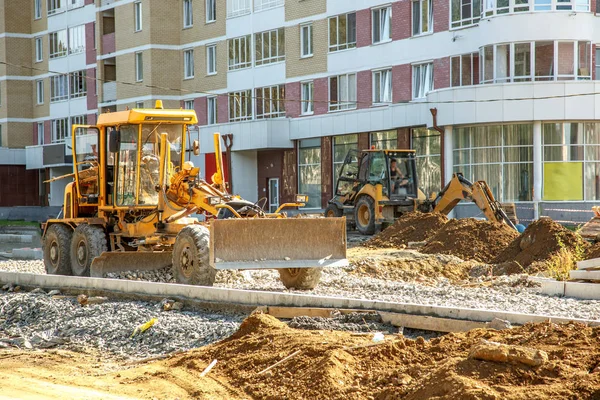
(269,243)
(129,261)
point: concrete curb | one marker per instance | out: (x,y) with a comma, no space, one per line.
(260,298)
(13,238)
(576,290)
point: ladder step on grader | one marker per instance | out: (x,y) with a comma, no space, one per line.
(131,202)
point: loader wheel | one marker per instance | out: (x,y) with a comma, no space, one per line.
(333,211)
(190,257)
(89,241)
(300,278)
(364,215)
(57,243)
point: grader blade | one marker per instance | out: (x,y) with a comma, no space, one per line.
(129,261)
(265,243)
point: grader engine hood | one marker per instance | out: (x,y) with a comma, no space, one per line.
(267,243)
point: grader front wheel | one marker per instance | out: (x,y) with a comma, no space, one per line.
(89,241)
(300,278)
(191,257)
(56,250)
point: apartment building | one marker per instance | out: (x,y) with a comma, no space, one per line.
(300,82)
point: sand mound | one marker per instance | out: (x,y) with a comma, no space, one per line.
(259,322)
(342,366)
(411,227)
(537,245)
(471,239)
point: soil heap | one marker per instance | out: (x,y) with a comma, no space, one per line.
(593,251)
(471,239)
(539,243)
(410,227)
(344,366)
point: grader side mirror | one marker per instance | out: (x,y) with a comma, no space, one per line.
(196,148)
(114,141)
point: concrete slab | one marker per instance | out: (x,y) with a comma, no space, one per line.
(585,275)
(261,298)
(12,238)
(27,254)
(583,291)
(589,264)
(551,287)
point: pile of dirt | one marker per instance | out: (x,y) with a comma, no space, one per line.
(411,227)
(539,243)
(345,366)
(471,239)
(593,251)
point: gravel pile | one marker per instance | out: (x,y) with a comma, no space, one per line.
(38,320)
(353,322)
(28,266)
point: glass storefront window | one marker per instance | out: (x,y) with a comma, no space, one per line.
(309,171)
(502,155)
(385,140)
(427,144)
(341,146)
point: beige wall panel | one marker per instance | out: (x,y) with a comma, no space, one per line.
(3,108)
(41,110)
(303,9)
(167,71)
(207,83)
(18,15)
(296,66)
(202,30)
(39,25)
(125,37)
(165,21)
(17,134)
(19,51)
(19,101)
(126,73)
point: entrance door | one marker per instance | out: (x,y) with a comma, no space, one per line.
(273,194)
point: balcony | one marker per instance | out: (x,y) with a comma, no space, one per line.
(49,155)
(109,91)
(108,43)
(250,135)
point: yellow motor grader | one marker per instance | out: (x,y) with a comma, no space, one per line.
(132,201)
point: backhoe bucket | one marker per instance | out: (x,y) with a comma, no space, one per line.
(129,261)
(274,243)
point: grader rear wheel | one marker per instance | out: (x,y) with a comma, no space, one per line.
(300,278)
(364,215)
(89,241)
(57,242)
(191,257)
(332,211)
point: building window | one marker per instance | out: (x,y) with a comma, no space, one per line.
(240,106)
(422,17)
(79,120)
(211,59)
(384,140)
(137,12)
(270,102)
(37,6)
(188,14)
(188,64)
(266,4)
(78,84)
(40,133)
(240,55)
(501,155)
(427,144)
(60,129)
(382,24)
(307,89)
(139,104)
(341,145)
(39,49)
(235,8)
(382,86)
(59,88)
(75,4)
(342,92)
(422,80)
(211,110)
(77,39)
(39,91)
(188,104)
(499,7)
(342,32)
(58,44)
(309,171)
(55,6)
(139,67)
(269,46)
(306,40)
(211,10)
(465,12)
(462,69)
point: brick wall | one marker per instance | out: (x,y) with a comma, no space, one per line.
(544,59)
(303,9)
(200,105)
(92,96)
(363,28)
(363,141)
(90,51)
(222,109)
(401,20)
(441,10)
(321,96)
(92,119)
(20,187)
(401,83)
(47,131)
(441,73)
(293,106)
(364,92)
(476,70)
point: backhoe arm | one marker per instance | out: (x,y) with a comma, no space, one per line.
(479,193)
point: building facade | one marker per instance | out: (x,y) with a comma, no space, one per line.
(300,82)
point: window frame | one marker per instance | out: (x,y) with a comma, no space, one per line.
(186,104)
(39,91)
(188,64)
(40,133)
(430,22)
(246,103)
(374,26)
(461,67)
(55,7)
(379,79)
(468,21)
(260,39)
(244,8)
(210,64)
(55,37)
(264,98)
(37,9)
(431,81)
(307,105)
(343,105)
(78,32)
(39,49)
(211,115)
(137,16)
(303,37)
(59,88)
(211,10)
(188,14)
(139,66)
(77,80)
(63,124)
(238,44)
(338,46)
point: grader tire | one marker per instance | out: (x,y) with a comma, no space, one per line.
(333,211)
(89,241)
(300,278)
(57,243)
(191,257)
(364,215)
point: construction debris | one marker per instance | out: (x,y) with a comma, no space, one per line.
(411,227)
(497,352)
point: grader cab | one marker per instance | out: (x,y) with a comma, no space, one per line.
(132,201)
